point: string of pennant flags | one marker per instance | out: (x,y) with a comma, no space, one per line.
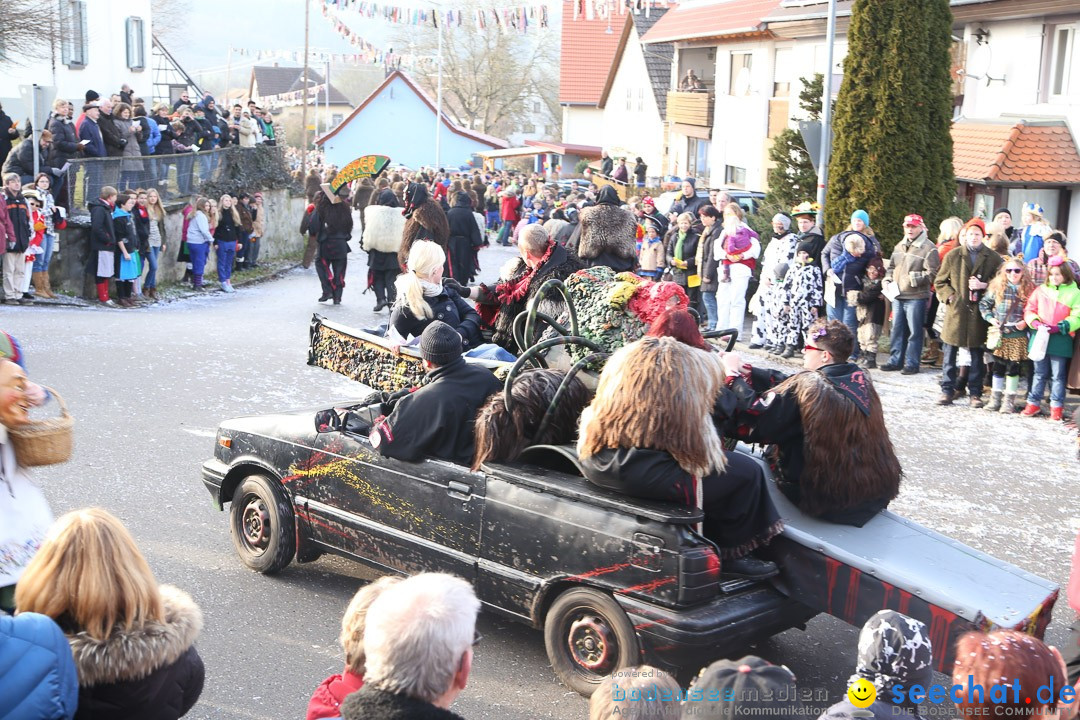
(519,17)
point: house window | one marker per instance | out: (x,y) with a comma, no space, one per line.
(336,119)
(1061,59)
(629,99)
(641,99)
(735,176)
(740,74)
(782,74)
(697,157)
(136,45)
(74,48)
(528,128)
(536,106)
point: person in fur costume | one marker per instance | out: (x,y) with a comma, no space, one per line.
(502,432)
(424,220)
(363,195)
(831,452)
(607,234)
(651,436)
(133,641)
(331,224)
(541,259)
(803,293)
(383,227)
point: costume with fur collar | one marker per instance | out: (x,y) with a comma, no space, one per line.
(832,449)
(427,222)
(383,229)
(150,671)
(607,233)
(370,704)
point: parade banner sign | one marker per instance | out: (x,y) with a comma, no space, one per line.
(367,166)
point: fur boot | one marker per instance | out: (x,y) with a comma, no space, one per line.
(38,283)
(996,398)
(1008,404)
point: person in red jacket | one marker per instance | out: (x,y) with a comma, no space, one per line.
(327,698)
(509,213)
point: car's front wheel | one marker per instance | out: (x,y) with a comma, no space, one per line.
(263,525)
(588,636)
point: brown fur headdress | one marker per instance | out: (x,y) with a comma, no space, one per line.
(657,393)
(849,458)
(502,434)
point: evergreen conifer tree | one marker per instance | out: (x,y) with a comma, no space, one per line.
(792,179)
(892,148)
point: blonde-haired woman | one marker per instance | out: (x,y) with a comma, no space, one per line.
(422,299)
(132,640)
(156,212)
(657,441)
(226,235)
(326,700)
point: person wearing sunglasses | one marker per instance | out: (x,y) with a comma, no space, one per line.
(815,420)
(1003,307)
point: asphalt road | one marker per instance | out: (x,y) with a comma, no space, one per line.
(148,388)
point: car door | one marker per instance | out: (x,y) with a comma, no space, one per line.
(404,516)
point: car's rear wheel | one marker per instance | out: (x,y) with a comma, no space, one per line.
(263,525)
(588,636)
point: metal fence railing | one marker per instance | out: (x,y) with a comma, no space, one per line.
(175,177)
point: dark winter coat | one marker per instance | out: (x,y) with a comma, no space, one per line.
(964,325)
(606,166)
(447,306)
(689,256)
(124,231)
(465,240)
(36,671)
(689,205)
(21,162)
(657,217)
(834,249)
(65,142)
(641,473)
(227,230)
(607,235)
(817,241)
(833,456)
(710,266)
(437,420)
(102,235)
(371,704)
(141,216)
(18,214)
(5,136)
(90,130)
(151,672)
(164,146)
(111,134)
(331,224)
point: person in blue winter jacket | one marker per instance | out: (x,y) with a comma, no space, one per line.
(37,673)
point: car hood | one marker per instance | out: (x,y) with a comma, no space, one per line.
(290,424)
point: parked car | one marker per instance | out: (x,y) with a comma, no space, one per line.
(750,200)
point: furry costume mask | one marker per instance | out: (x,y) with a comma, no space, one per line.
(657,393)
(415,196)
(607,228)
(502,434)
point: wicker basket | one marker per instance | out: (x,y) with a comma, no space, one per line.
(44,442)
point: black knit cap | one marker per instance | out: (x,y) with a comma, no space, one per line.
(737,689)
(91,96)
(440,344)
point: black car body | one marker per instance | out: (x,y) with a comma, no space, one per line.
(645,584)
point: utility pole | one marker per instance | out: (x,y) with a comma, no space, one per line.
(826,117)
(303,113)
(228,79)
(438,97)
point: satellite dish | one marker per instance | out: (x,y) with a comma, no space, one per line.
(742,82)
(979,63)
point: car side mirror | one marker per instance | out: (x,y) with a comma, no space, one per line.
(327,421)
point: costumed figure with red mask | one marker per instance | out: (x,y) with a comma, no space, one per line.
(831,452)
(424,220)
(541,258)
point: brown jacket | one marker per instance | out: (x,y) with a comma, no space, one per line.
(964,325)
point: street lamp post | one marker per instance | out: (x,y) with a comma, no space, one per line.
(826,118)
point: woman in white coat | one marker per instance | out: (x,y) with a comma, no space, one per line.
(731,295)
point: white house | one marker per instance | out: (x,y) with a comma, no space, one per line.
(634,97)
(105,45)
(588,52)
(536,123)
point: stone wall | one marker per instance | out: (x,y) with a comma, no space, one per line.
(67,271)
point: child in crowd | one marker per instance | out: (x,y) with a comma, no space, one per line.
(37,236)
(805,293)
(1055,306)
(870,309)
(1028,241)
(127,250)
(327,698)
(774,310)
(736,238)
(850,266)
(651,255)
(1003,307)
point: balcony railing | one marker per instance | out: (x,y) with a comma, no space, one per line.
(690,108)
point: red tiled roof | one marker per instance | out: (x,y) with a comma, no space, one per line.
(588,50)
(714,19)
(566,148)
(1020,153)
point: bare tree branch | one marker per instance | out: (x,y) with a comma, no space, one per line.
(29,31)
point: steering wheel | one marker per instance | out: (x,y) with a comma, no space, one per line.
(729,333)
(525,338)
